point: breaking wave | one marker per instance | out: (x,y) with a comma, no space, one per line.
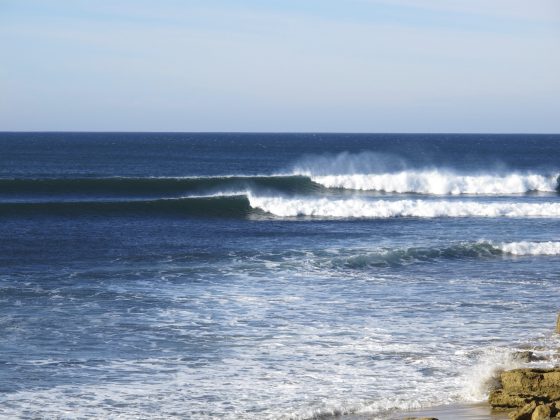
(530,248)
(382,209)
(242,204)
(439,182)
(481,249)
(436,182)
(368,171)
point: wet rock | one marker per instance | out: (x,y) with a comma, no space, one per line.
(524,356)
(527,356)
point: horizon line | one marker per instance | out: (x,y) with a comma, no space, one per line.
(272,132)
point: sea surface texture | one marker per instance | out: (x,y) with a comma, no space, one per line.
(270,275)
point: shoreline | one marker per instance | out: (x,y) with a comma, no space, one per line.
(526,384)
(484,410)
(457,411)
(474,411)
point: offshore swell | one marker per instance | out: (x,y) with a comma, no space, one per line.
(241,205)
(436,182)
(320,275)
(284,195)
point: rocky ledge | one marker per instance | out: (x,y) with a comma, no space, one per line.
(532,394)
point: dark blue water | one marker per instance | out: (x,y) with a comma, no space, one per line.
(270,275)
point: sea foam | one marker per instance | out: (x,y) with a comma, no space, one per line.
(530,248)
(440,182)
(381,209)
(368,171)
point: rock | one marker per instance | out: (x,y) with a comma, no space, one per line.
(542,412)
(535,393)
(555,409)
(501,400)
(544,383)
(524,413)
(527,356)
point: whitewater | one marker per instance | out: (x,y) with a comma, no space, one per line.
(379,208)
(440,182)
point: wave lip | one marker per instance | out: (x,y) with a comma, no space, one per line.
(383,209)
(439,182)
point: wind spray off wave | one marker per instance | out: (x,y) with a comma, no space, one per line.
(385,173)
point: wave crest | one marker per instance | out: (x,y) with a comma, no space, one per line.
(440,182)
(530,248)
(369,171)
(382,209)
(480,249)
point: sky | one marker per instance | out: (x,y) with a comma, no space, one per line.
(280,65)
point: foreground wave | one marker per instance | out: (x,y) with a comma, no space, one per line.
(481,249)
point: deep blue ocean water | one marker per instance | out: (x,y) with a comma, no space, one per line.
(270,275)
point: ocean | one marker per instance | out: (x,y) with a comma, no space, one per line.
(169,275)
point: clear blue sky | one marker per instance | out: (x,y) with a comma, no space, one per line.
(280,65)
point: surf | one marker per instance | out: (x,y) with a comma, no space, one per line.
(460,251)
(369,171)
(338,208)
(438,182)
